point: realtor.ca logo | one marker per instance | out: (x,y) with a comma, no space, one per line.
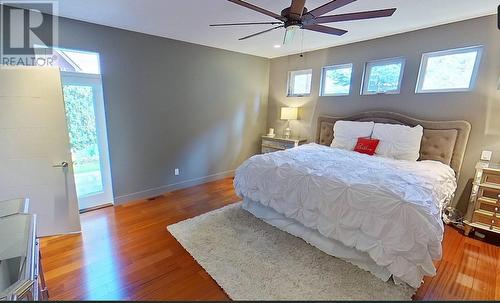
(28,30)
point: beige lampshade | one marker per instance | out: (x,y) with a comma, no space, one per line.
(289,113)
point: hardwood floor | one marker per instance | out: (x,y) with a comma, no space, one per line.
(126,253)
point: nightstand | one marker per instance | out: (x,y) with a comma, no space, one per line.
(272,144)
(484,204)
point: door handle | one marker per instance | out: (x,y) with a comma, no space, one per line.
(62,165)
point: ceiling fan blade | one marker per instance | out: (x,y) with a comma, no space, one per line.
(355,16)
(257,9)
(325,29)
(297,8)
(262,32)
(330,6)
(246,23)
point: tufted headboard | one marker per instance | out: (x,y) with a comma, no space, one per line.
(443,141)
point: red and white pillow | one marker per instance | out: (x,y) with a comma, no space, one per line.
(366,146)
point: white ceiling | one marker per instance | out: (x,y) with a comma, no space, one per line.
(188,20)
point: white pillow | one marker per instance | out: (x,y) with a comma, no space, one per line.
(346,133)
(398,141)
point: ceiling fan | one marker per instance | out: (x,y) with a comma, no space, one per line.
(297,16)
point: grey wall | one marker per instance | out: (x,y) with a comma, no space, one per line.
(480,107)
(171,104)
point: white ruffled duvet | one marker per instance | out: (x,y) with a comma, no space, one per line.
(390,209)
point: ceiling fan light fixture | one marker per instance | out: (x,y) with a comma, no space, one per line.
(290,33)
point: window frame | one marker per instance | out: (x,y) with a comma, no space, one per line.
(289,84)
(386,61)
(323,77)
(423,68)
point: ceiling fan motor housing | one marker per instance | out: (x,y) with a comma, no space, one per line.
(291,17)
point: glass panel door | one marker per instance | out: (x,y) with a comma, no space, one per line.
(85,116)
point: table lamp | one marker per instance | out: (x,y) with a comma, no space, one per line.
(289,113)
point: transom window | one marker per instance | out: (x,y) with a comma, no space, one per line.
(336,80)
(383,76)
(449,71)
(299,83)
(69,60)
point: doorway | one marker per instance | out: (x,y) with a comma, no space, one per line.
(85,116)
(86,121)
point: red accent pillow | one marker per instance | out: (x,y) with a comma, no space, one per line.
(366,146)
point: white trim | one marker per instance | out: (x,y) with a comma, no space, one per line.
(370,64)
(290,83)
(82,75)
(152,192)
(333,67)
(472,81)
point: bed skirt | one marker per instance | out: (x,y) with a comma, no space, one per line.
(314,238)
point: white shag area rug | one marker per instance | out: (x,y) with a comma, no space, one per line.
(252,260)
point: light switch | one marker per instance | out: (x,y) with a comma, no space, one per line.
(486,155)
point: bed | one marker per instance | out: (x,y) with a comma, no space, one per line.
(382,215)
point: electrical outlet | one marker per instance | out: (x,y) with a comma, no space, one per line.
(486,155)
(177,172)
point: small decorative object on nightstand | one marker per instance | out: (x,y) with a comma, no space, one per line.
(272,144)
(271,133)
(484,205)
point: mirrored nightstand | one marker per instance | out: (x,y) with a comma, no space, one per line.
(484,206)
(277,143)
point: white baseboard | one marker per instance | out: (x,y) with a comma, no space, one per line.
(153,192)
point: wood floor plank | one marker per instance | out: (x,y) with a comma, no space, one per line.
(126,253)
(484,282)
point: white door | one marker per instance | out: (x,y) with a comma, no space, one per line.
(34,145)
(86,120)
